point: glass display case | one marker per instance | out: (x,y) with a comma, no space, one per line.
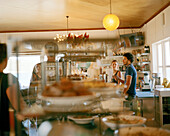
(52,98)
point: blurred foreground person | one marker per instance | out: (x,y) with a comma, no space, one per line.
(8,93)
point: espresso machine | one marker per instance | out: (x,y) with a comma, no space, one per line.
(156,80)
(147,85)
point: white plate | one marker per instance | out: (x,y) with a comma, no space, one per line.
(113,125)
(141,131)
(72,100)
(82,120)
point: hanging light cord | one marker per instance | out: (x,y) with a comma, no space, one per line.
(67,24)
(110,7)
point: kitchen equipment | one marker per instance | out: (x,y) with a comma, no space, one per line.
(146,78)
(147,83)
(156,77)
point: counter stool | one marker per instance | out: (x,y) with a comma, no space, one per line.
(135,105)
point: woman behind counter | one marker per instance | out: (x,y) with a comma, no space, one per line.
(116,72)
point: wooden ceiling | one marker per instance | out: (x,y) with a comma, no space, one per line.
(50,15)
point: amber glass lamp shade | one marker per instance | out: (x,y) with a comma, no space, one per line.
(111,22)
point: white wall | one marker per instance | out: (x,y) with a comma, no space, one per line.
(3,38)
(157,29)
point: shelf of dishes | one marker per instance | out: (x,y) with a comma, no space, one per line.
(145,54)
(140,72)
(77,51)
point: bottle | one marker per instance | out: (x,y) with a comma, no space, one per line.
(147,49)
(141,84)
(100,70)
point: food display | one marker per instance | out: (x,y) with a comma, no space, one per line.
(67,96)
(123,121)
(65,88)
(143,131)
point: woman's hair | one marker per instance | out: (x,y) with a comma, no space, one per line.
(129,56)
(3,52)
(114,61)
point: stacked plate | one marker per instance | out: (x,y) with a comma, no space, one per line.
(82,119)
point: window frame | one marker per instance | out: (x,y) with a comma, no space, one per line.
(155,58)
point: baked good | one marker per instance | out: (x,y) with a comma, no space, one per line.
(65,88)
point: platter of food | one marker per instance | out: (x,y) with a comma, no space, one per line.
(123,121)
(82,119)
(66,93)
(143,131)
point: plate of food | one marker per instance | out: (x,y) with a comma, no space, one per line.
(82,119)
(143,131)
(123,121)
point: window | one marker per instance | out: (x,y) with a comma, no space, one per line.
(160,58)
(26,64)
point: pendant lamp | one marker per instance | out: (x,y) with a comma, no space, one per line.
(111,21)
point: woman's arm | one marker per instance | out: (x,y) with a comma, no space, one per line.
(13,98)
(119,75)
(118,78)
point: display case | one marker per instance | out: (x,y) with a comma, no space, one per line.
(162,106)
(60,105)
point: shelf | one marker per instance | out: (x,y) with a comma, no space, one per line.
(78,51)
(168,114)
(147,62)
(143,71)
(141,63)
(140,71)
(116,56)
(144,54)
